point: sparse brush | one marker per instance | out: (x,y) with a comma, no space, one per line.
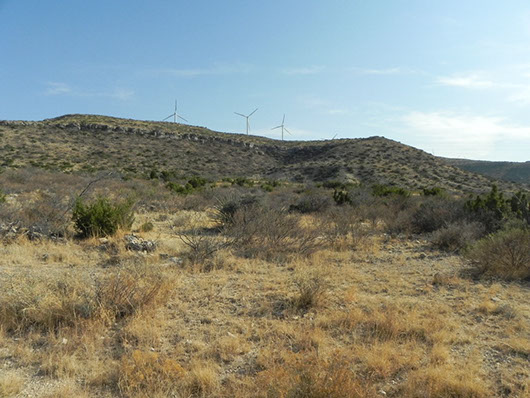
(505,254)
(311,286)
(48,303)
(123,292)
(457,236)
(271,234)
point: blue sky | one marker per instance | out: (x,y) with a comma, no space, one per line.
(449,77)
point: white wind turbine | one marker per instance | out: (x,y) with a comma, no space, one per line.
(282,126)
(175,115)
(247,117)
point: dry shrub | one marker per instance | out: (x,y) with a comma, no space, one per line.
(123,292)
(446,381)
(436,212)
(311,286)
(202,248)
(343,229)
(46,302)
(148,374)
(50,302)
(311,376)
(41,214)
(271,234)
(457,236)
(505,254)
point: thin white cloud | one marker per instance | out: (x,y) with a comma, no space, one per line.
(59,88)
(322,105)
(217,69)
(384,71)
(461,135)
(521,96)
(337,111)
(474,81)
(308,70)
(56,88)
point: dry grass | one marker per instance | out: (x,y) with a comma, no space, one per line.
(370,317)
(11,383)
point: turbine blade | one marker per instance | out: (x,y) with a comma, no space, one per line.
(180,117)
(287,131)
(168,117)
(283,120)
(239,114)
(253,112)
(277,127)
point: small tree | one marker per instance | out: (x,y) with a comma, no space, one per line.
(102,217)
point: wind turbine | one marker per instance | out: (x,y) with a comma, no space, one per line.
(175,115)
(247,117)
(282,126)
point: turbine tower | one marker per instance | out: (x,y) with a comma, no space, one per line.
(282,126)
(247,117)
(175,115)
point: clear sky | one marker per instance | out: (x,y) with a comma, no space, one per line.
(451,77)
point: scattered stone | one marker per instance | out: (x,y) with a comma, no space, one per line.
(138,244)
(495,299)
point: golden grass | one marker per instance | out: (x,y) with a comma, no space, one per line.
(337,323)
(11,384)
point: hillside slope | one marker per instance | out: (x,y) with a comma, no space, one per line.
(509,171)
(91,143)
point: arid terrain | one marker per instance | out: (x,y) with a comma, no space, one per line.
(234,266)
(138,148)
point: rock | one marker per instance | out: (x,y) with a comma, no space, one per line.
(495,299)
(138,244)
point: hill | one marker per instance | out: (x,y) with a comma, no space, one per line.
(509,171)
(141,148)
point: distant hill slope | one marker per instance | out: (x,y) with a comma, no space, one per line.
(91,143)
(507,171)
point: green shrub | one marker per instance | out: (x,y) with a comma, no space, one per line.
(383,190)
(147,226)
(492,210)
(197,182)
(520,206)
(341,197)
(102,217)
(2,197)
(504,254)
(180,189)
(435,191)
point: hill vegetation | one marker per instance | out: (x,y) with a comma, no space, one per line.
(507,171)
(136,148)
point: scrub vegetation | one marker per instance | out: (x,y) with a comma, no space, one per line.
(263,289)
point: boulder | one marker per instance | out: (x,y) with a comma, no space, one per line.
(137,244)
